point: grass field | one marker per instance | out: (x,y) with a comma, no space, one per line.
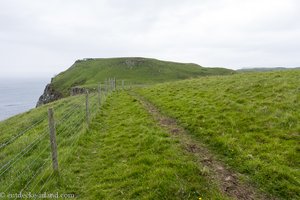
(125,155)
(250,120)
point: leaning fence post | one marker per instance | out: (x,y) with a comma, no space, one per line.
(53,144)
(87,107)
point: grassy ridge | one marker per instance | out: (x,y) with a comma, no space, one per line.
(89,72)
(125,155)
(250,120)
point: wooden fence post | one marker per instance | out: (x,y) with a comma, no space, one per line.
(87,107)
(53,143)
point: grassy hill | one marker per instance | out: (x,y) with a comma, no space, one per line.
(251,121)
(89,72)
(210,137)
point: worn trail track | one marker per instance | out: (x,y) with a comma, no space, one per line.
(217,171)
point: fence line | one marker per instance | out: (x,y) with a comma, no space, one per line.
(23,152)
(12,139)
(35,175)
(48,179)
(42,176)
(67,115)
(68,126)
(26,167)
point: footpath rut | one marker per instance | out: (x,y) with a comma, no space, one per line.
(217,171)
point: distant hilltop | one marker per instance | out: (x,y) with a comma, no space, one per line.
(88,72)
(265,69)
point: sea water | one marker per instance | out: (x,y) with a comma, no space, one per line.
(19,95)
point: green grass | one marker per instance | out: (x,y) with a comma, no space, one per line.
(133,70)
(126,155)
(25,147)
(250,120)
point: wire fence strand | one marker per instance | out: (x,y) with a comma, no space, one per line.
(69,124)
(21,154)
(27,167)
(12,139)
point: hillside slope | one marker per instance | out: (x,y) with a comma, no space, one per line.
(89,72)
(229,132)
(24,142)
(251,121)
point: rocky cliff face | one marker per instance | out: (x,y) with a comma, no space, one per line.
(49,95)
(77,91)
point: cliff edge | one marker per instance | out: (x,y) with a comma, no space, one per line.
(49,95)
(89,72)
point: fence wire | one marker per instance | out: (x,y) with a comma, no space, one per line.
(69,121)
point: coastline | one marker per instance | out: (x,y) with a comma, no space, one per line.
(18,95)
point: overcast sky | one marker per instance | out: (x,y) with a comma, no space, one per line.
(45,37)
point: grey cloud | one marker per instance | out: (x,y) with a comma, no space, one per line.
(46,37)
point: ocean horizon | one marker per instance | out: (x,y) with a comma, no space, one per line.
(18,95)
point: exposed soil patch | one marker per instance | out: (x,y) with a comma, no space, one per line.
(218,172)
(192,148)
